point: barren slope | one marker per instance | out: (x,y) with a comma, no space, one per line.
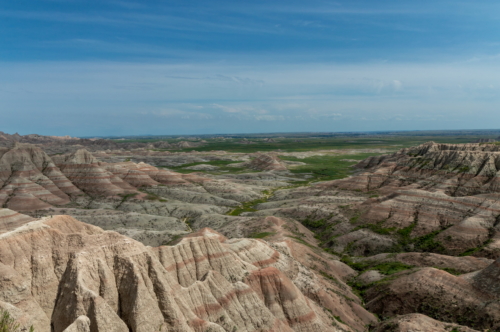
(55,270)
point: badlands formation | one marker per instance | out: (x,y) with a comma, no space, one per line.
(105,239)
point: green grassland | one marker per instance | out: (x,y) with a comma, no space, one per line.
(318,142)
(327,167)
(312,144)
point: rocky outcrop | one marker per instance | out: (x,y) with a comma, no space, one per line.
(467,300)
(444,191)
(30,180)
(56,270)
(456,169)
(10,220)
(418,323)
(84,171)
(266,162)
(81,324)
(130,173)
(464,264)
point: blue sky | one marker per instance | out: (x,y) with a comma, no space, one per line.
(86,68)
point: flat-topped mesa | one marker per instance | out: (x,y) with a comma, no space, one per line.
(83,169)
(30,180)
(266,162)
(203,283)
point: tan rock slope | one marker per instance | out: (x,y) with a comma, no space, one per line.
(457,170)
(470,299)
(448,193)
(418,323)
(29,179)
(402,223)
(63,275)
(266,162)
(411,212)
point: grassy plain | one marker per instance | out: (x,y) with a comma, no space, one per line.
(327,167)
(302,144)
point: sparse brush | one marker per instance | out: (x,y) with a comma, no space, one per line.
(9,324)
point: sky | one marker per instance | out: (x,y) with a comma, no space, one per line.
(89,68)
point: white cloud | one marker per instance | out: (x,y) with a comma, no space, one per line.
(174,113)
(269,118)
(316,95)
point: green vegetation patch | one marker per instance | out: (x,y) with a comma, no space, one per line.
(320,141)
(326,167)
(427,243)
(314,223)
(386,268)
(298,239)
(472,251)
(9,324)
(377,228)
(424,243)
(250,206)
(247,207)
(152,196)
(389,268)
(261,235)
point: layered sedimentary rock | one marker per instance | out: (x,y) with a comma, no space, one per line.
(465,264)
(56,270)
(10,220)
(448,192)
(84,171)
(456,169)
(266,162)
(418,323)
(130,173)
(467,300)
(29,179)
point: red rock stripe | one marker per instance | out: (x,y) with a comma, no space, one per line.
(179,265)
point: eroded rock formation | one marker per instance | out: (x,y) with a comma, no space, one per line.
(56,270)
(266,162)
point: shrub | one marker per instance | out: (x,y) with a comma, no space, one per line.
(9,324)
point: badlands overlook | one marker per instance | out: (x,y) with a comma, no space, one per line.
(249,166)
(306,232)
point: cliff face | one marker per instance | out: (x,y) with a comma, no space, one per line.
(56,270)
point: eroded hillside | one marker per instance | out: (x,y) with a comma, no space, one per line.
(250,242)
